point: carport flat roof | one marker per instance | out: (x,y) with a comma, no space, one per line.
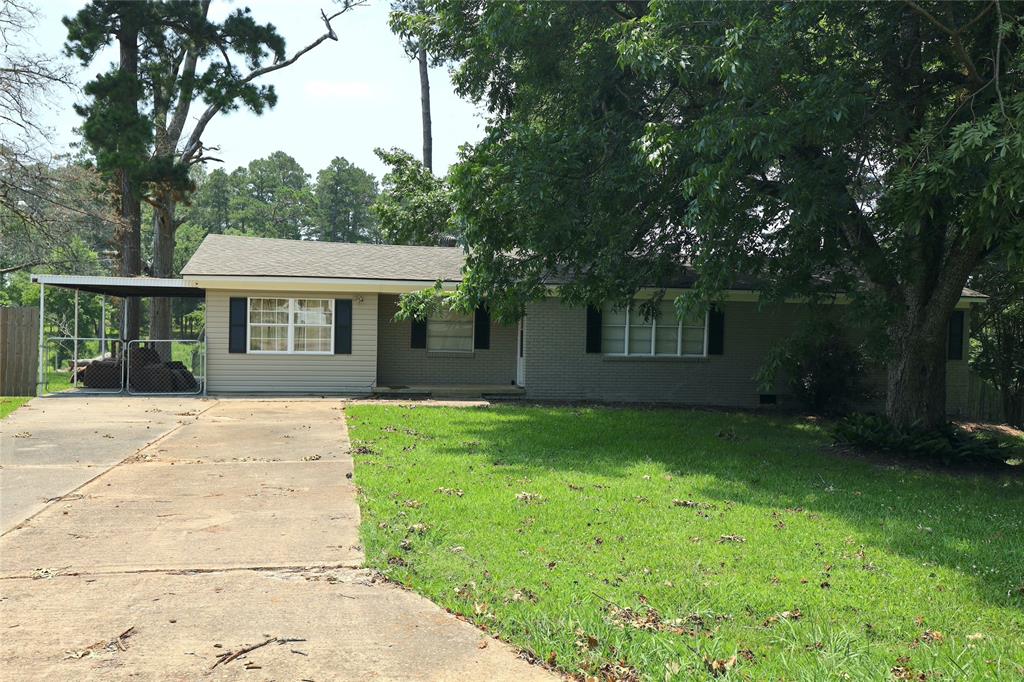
(123,286)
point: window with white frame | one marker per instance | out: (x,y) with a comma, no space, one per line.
(625,331)
(291,325)
(451,332)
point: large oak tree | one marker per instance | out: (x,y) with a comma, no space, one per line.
(876,148)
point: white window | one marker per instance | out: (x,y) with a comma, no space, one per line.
(291,325)
(450,332)
(625,331)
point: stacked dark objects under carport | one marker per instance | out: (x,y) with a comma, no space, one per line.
(147,373)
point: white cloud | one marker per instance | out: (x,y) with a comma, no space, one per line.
(338,89)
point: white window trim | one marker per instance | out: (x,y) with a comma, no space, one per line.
(472,339)
(654,330)
(290,325)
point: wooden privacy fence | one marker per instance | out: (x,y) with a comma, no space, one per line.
(984,402)
(19,350)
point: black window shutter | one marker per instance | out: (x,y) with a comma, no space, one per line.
(955,350)
(716,331)
(343,326)
(593,329)
(419,334)
(238,312)
(482,329)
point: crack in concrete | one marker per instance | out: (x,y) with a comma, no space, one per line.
(202,570)
(108,469)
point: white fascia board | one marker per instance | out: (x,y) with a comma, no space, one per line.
(324,284)
(93,280)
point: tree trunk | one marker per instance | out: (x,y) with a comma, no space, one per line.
(163,265)
(916,371)
(130,237)
(428,138)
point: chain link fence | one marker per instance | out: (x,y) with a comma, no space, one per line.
(83,365)
(145,367)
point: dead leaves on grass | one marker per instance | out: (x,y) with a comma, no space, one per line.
(649,620)
(719,666)
(521,595)
(795,614)
(619,671)
(528,498)
(585,642)
(692,504)
(450,492)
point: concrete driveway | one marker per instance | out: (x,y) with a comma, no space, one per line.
(226,547)
(50,447)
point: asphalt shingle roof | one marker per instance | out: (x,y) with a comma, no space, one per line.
(231,255)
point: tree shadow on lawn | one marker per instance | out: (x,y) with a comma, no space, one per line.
(973,524)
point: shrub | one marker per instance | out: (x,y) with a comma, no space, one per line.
(824,369)
(949,444)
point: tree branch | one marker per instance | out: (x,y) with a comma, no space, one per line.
(184,97)
(955,36)
(194,144)
(868,251)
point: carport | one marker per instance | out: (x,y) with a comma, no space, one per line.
(160,366)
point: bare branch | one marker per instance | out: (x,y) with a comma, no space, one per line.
(194,144)
(181,109)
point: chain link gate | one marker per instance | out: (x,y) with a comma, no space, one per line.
(162,367)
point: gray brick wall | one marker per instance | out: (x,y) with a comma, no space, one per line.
(558,367)
(399,364)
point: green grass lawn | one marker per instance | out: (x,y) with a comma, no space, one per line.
(619,543)
(9,404)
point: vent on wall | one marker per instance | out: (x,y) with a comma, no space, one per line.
(767,399)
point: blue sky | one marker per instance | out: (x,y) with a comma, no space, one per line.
(342,99)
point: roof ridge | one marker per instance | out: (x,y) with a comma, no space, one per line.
(319,241)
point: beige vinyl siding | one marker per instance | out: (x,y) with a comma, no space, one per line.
(958,375)
(291,373)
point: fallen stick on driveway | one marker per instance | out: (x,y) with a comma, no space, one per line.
(229,656)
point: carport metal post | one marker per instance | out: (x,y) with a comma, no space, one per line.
(103,325)
(74,352)
(206,347)
(42,324)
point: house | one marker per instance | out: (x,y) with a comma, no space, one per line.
(314,317)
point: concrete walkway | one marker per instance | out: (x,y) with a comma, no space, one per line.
(235,527)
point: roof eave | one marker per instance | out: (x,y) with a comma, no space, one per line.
(279,283)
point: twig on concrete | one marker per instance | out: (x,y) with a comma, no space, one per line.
(229,656)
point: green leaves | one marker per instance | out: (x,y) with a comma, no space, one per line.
(274,197)
(414,206)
